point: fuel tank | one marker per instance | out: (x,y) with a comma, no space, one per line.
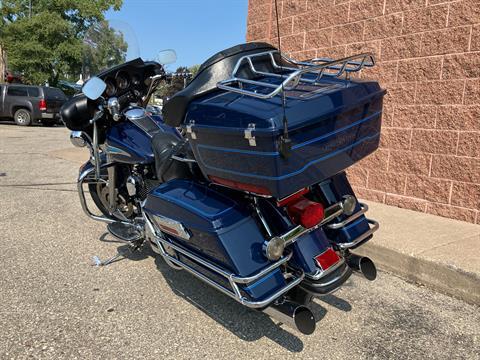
(131,141)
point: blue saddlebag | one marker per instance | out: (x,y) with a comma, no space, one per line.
(218,230)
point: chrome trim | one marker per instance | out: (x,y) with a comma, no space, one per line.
(232,278)
(78,139)
(341,66)
(163,222)
(135,113)
(182,159)
(262,218)
(361,237)
(363,210)
(331,213)
(321,273)
(335,279)
(84,178)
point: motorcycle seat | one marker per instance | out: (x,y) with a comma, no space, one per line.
(217,68)
(165,145)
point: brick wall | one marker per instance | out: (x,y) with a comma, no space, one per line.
(428,58)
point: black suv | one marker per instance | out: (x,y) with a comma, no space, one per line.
(27,105)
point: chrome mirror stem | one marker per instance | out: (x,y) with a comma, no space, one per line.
(96,154)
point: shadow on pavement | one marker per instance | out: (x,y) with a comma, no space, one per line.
(247,324)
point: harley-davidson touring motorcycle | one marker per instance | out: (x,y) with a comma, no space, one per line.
(241,181)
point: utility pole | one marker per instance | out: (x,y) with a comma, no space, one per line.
(30,9)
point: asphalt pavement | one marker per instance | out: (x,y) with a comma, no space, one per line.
(55,305)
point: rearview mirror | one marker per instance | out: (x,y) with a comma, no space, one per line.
(94,88)
(166,57)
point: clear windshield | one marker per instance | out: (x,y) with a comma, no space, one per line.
(107,44)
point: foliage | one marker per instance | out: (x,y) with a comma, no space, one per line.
(104,48)
(45,41)
(177,82)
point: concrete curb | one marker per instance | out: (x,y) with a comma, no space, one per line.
(444,278)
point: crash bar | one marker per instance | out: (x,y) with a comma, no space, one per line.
(230,277)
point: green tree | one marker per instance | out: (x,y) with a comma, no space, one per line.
(176,83)
(45,41)
(104,48)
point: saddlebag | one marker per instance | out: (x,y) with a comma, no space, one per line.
(216,229)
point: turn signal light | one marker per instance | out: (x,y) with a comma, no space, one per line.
(42,105)
(306,213)
(251,188)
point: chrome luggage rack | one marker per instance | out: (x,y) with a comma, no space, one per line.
(302,75)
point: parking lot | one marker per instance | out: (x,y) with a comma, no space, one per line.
(55,304)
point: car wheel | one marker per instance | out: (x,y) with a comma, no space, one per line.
(22,117)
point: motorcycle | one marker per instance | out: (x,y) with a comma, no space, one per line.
(241,182)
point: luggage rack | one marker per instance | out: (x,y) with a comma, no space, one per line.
(305,77)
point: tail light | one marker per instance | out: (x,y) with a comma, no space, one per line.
(42,105)
(327,259)
(255,189)
(305,212)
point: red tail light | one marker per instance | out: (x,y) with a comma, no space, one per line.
(256,189)
(42,105)
(327,259)
(306,213)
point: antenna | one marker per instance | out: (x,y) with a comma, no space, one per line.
(285,142)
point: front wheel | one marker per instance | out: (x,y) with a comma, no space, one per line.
(100,196)
(22,117)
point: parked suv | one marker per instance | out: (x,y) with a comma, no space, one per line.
(27,105)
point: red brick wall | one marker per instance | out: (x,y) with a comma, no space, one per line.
(428,58)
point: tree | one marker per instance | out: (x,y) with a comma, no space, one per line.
(104,48)
(176,83)
(45,41)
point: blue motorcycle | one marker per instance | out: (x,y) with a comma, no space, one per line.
(241,181)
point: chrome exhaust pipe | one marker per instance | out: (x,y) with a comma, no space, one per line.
(298,317)
(362,265)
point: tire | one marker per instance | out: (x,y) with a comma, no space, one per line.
(92,188)
(22,117)
(100,202)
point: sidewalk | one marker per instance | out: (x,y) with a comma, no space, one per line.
(441,253)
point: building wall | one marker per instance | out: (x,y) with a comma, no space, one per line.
(428,58)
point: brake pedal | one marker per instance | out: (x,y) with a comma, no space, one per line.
(125,232)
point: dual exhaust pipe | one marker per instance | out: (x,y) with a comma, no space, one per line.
(300,317)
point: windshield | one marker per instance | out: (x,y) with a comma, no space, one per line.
(107,44)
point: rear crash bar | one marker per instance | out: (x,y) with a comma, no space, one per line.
(233,279)
(331,213)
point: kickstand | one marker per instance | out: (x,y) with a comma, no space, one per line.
(97,262)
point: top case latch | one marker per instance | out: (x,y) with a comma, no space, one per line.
(249,135)
(190,130)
